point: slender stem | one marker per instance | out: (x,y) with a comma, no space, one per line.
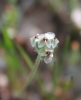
(31,75)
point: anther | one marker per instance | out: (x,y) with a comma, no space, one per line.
(48,53)
(45,39)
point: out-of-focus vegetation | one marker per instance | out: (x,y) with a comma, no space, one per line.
(22,19)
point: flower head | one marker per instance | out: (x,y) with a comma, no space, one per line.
(44,45)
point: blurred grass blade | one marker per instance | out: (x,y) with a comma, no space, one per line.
(9,46)
(67,85)
(1,44)
(66,47)
(26,56)
(73,4)
(7,41)
(64,52)
(57,69)
(13,1)
(11,71)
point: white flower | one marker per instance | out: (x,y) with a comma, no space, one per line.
(34,39)
(45,39)
(55,41)
(46,55)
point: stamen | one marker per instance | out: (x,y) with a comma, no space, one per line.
(48,53)
(36,37)
(45,39)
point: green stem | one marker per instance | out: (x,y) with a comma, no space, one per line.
(31,75)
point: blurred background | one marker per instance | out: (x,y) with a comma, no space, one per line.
(22,19)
